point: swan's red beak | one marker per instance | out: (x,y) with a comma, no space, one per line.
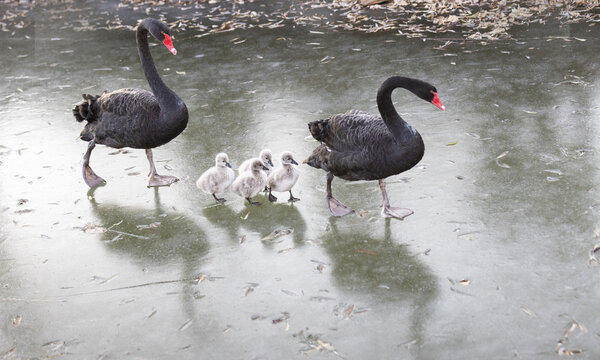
(436,101)
(169,44)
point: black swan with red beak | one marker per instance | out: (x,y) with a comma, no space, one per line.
(358,145)
(134,118)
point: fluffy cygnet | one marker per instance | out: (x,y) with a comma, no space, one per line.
(216,179)
(250,183)
(284,178)
(265,156)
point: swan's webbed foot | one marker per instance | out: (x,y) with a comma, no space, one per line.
(89,176)
(389,212)
(253,203)
(219,200)
(272,198)
(91,179)
(156,180)
(292,199)
(336,208)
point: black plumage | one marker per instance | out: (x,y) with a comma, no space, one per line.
(358,145)
(134,118)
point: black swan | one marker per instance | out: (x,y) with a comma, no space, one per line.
(359,145)
(134,118)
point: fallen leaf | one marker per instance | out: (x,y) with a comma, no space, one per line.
(528,312)
(186,325)
(90,228)
(151,314)
(572,327)
(149,226)
(277,233)
(502,155)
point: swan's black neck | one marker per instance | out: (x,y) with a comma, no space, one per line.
(167,99)
(401,130)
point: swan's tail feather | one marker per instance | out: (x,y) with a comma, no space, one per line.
(319,158)
(86,110)
(318,129)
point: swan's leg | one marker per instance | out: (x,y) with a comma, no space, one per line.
(253,203)
(219,200)
(272,198)
(89,176)
(292,198)
(335,207)
(155,179)
(389,211)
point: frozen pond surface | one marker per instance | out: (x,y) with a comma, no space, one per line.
(495,262)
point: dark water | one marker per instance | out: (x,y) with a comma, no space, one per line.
(495,262)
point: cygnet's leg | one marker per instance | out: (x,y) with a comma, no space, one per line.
(272,198)
(89,176)
(219,200)
(389,211)
(155,179)
(335,207)
(253,203)
(292,198)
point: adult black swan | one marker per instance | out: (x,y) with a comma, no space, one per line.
(359,145)
(134,118)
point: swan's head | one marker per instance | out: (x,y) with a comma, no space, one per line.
(287,158)
(257,165)
(267,157)
(222,160)
(428,93)
(161,32)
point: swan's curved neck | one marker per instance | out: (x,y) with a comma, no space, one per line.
(401,130)
(165,96)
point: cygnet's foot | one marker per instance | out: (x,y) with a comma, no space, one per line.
(91,179)
(161,180)
(219,200)
(293,199)
(336,208)
(253,203)
(272,198)
(395,212)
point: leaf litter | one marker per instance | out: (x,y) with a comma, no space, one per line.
(466,19)
(561,345)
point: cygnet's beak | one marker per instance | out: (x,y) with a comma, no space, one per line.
(265,168)
(270,163)
(228,165)
(294,162)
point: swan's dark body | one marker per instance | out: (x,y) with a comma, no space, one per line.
(134,118)
(358,145)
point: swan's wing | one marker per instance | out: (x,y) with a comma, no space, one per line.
(129,102)
(351,131)
(124,115)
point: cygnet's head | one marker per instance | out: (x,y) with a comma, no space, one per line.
(257,165)
(287,158)
(222,160)
(267,157)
